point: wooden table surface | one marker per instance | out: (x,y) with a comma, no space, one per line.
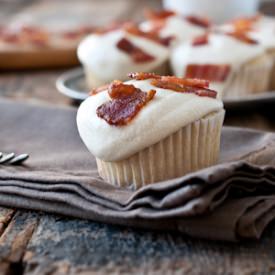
(39,243)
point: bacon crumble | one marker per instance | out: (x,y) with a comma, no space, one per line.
(246,23)
(158,15)
(143,76)
(181,88)
(243,37)
(137,54)
(98,90)
(126,102)
(151,35)
(199,87)
(201,83)
(210,72)
(199,21)
(200,40)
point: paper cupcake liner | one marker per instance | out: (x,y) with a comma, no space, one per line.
(93,81)
(252,78)
(193,147)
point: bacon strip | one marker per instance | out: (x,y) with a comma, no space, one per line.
(200,40)
(201,83)
(246,23)
(143,76)
(137,54)
(177,87)
(157,15)
(98,90)
(126,102)
(243,37)
(193,82)
(151,35)
(210,72)
(199,21)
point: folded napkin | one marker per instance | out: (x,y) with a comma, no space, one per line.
(232,200)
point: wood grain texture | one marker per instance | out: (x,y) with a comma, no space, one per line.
(37,243)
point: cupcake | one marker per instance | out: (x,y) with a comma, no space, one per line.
(111,53)
(236,64)
(151,128)
(169,23)
(260,28)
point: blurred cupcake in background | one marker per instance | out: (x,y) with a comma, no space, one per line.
(236,64)
(113,52)
(260,28)
(217,11)
(169,23)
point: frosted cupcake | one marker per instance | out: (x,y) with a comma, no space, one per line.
(151,128)
(235,63)
(260,28)
(112,53)
(169,23)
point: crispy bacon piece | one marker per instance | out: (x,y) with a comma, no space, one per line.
(98,90)
(126,102)
(243,36)
(192,82)
(137,54)
(144,76)
(158,18)
(201,83)
(200,40)
(158,15)
(210,72)
(199,21)
(178,87)
(151,35)
(246,23)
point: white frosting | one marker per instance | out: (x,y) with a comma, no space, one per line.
(177,27)
(221,49)
(168,112)
(263,31)
(99,53)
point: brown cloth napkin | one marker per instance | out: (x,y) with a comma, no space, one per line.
(232,200)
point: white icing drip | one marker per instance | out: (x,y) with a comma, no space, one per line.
(165,114)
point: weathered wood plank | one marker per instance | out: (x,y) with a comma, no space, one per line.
(14,240)
(70,246)
(6,215)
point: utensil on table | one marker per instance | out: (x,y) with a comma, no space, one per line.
(12,158)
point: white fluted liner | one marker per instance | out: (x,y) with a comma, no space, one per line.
(194,147)
(252,78)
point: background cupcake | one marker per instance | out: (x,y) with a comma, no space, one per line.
(112,53)
(235,63)
(151,128)
(169,23)
(260,28)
